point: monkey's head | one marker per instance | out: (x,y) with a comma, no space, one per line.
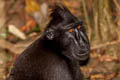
(68,32)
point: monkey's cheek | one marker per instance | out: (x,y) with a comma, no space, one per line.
(82,57)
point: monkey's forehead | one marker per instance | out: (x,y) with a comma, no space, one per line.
(73,25)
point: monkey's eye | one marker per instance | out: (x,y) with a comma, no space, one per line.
(71,30)
(78,27)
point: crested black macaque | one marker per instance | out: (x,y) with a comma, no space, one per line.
(57,53)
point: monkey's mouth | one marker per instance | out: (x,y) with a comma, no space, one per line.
(82,56)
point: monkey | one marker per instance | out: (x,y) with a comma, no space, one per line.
(58,53)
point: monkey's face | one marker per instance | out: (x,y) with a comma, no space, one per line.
(72,39)
(75,42)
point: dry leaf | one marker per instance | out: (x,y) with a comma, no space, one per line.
(97,76)
(29,25)
(12,29)
(32,6)
(107,58)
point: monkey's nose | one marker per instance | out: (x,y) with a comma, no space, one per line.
(84,49)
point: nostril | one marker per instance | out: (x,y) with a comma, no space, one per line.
(84,49)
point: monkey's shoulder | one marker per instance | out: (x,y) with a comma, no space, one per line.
(38,55)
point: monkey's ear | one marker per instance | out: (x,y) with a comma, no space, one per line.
(50,34)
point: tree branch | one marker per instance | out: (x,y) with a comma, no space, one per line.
(105,44)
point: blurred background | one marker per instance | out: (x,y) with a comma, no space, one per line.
(23,21)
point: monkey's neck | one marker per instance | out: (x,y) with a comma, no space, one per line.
(51,45)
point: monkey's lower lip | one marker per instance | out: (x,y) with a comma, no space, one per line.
(82,56)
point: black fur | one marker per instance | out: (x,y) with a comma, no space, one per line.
(57,53)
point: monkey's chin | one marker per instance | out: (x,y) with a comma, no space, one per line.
(81,56)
